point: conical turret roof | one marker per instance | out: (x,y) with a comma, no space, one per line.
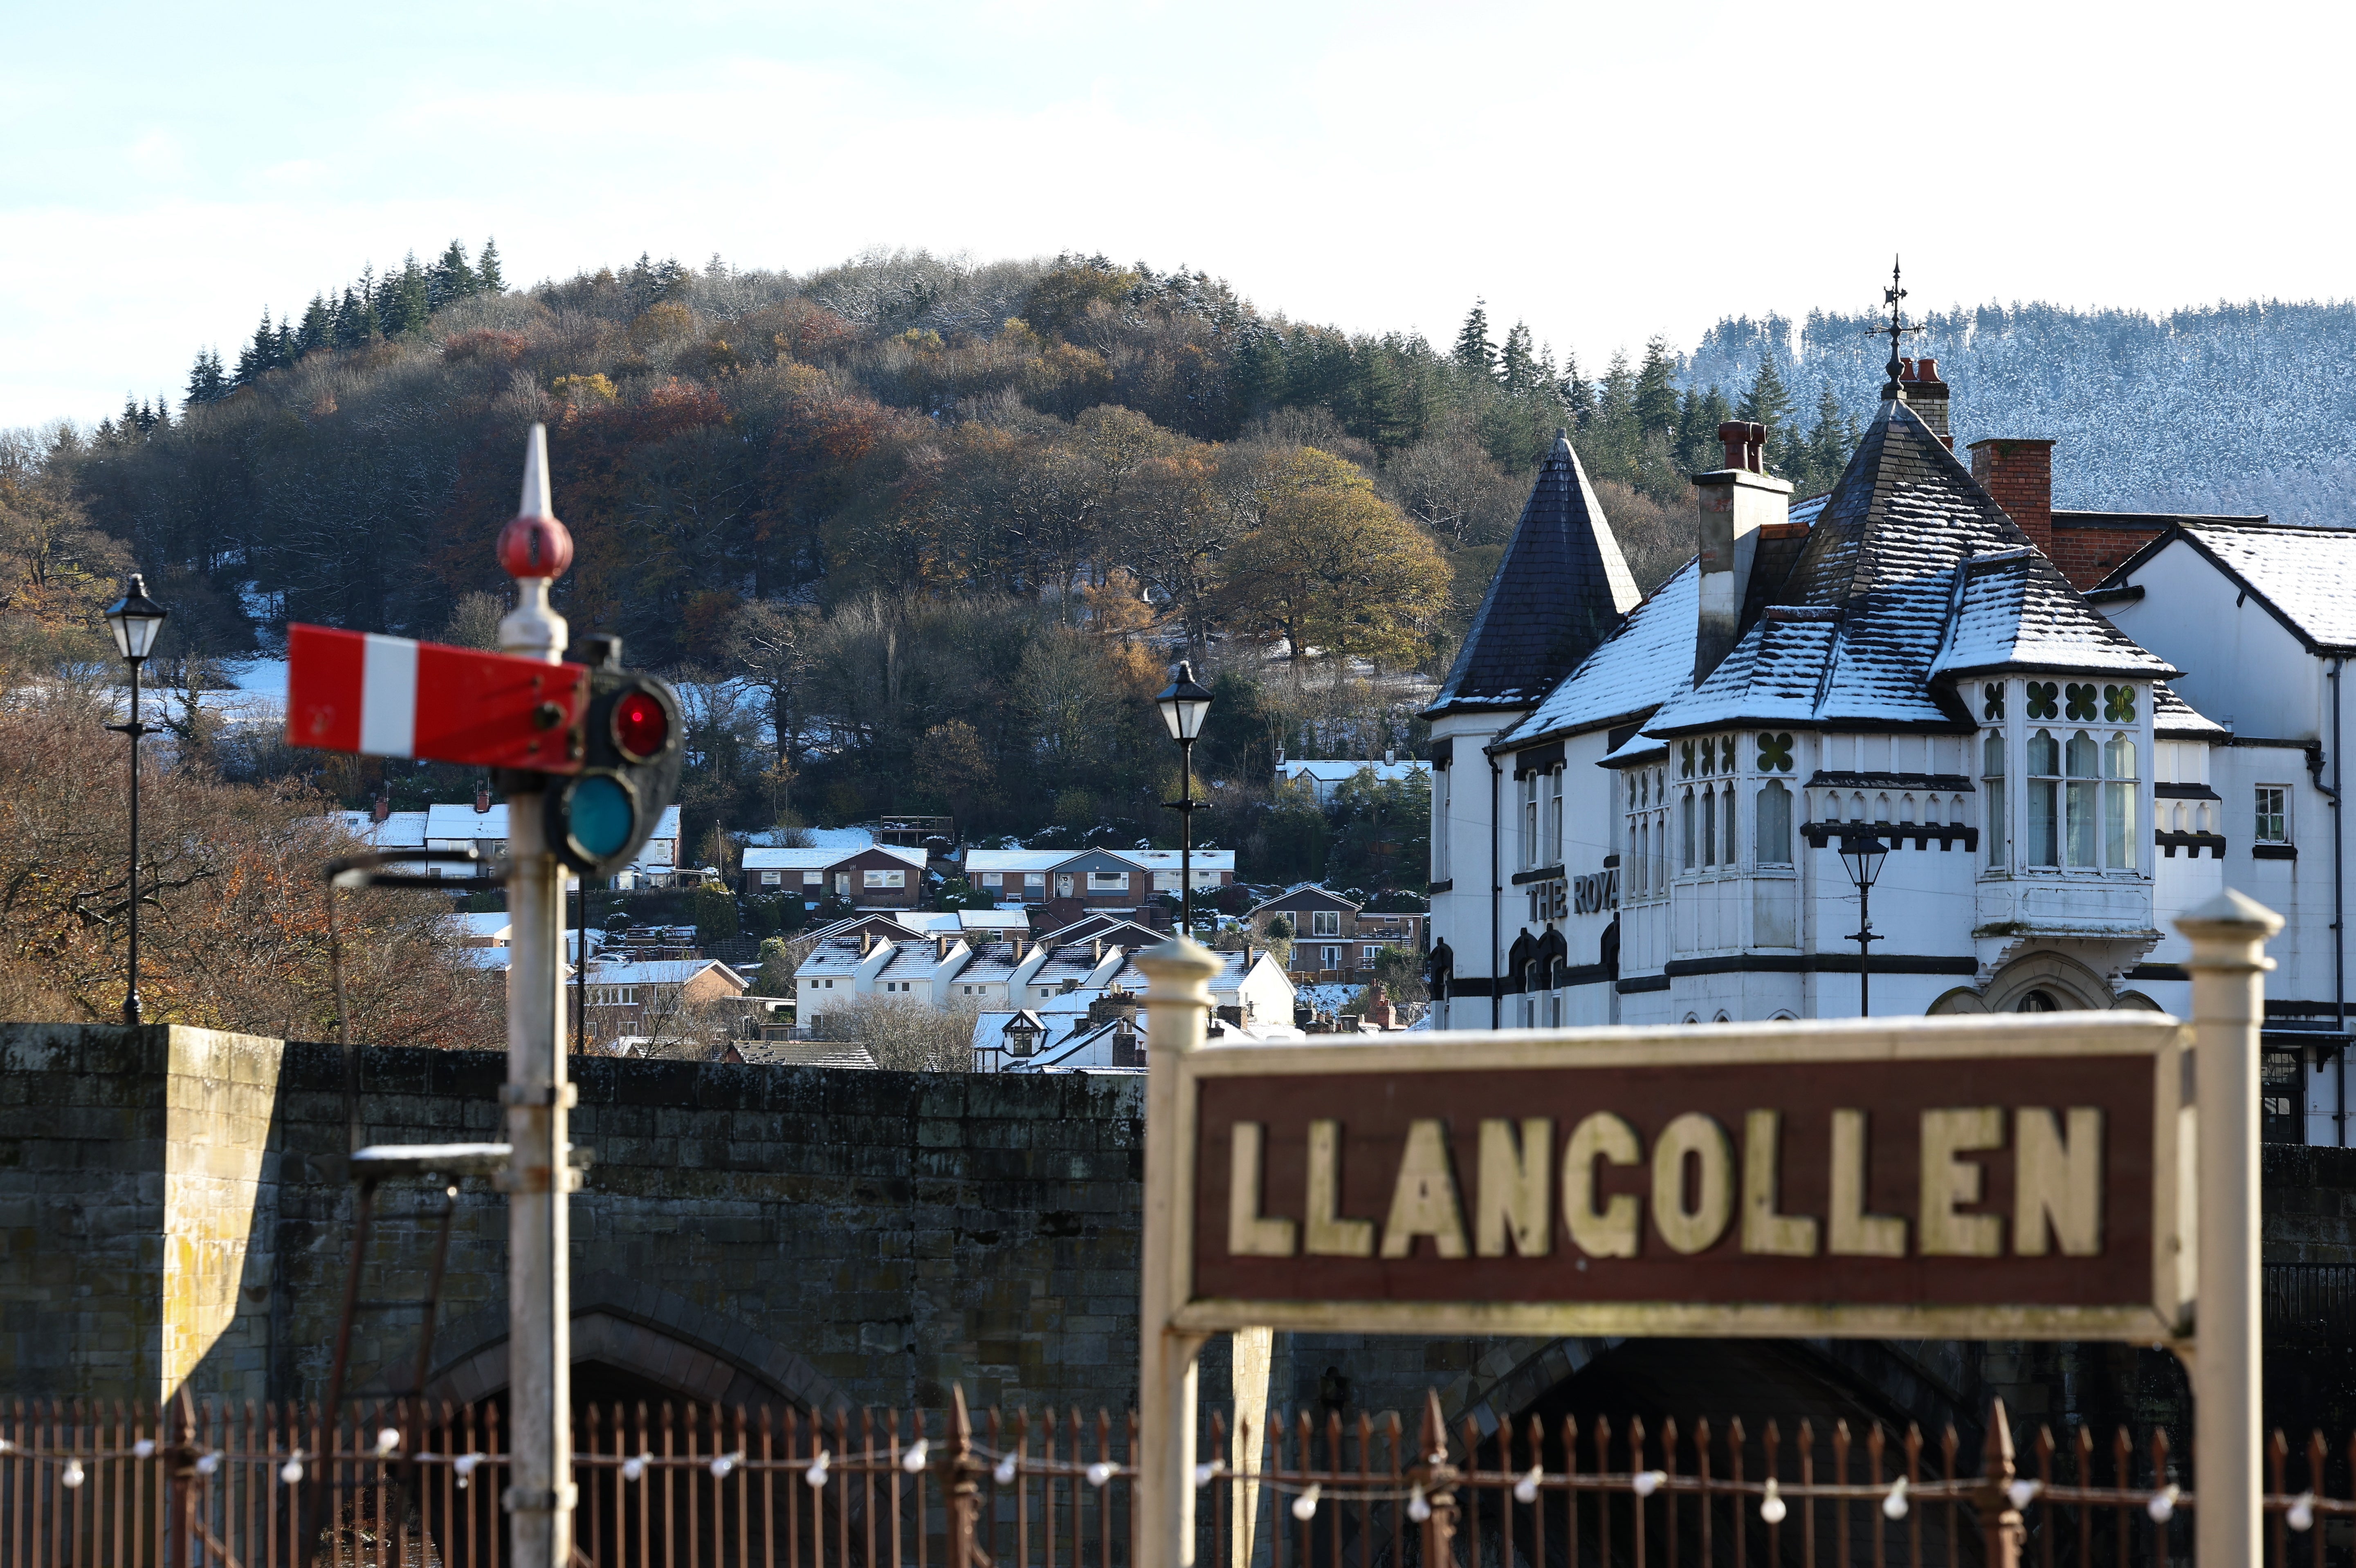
(1561,589)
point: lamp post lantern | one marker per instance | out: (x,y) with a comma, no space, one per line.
(1183,706)
(1861,857)
(134,619)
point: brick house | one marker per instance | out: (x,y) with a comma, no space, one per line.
(1046,876)
(632,1001)
(1334,938)
(877,876)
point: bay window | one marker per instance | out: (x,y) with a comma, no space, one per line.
(2044,799)
(1994,823)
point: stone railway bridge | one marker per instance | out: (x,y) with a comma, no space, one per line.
(173,1215)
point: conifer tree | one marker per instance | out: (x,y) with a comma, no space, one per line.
(1655,401)
(1475,353)
(283,351)
(450,278)
(486,271)
(1517,364)
(1769,404)
(1577,395)
(257,358)
(355,320)
(206,384)
(318,329)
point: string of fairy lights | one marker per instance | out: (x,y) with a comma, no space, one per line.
(1897,1500)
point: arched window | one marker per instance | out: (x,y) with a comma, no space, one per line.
(2038,1002)
(2044,847)
(1995,825)
(1774,841)
(2080,804)
(1685,807)
(2119,803)
(1709,828)
(1727,855)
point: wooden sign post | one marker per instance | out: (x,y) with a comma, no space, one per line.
(2022,1176)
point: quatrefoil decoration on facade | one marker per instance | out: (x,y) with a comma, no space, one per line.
(2080,697)
(1774,753)
(2119,704)
(2044,700)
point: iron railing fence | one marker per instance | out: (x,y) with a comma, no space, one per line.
(89,1485)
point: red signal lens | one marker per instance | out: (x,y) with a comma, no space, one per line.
(641,728)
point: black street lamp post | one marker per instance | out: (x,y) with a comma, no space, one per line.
(134,619)
(1183,706)
(1861,857)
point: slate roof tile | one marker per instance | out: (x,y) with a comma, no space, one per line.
(1561,590)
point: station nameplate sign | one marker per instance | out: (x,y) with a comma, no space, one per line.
(2006,1178)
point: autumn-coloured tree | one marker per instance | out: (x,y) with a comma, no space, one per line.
(1333,568)
(233,933)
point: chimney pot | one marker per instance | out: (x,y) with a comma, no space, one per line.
(1926,370)
(1754,443)
(1734,435)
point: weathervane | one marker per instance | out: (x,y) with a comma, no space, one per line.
(1896,329)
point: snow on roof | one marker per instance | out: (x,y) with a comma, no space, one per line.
(462,821)
(1327,770)
(987,920)
(1646,662)
(2173,719)
(2307,575)
(977,860)
(761,859)
(658,971)
(831,955)
(1130,977)
(1204,860)
(2017,612)
(400,830)
(819,859)
(1298,888)
(841,838)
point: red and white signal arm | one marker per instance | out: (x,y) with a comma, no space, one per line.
(393,697)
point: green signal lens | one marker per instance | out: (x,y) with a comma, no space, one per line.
(598,815)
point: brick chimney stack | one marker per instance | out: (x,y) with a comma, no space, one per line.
(2018,476)
(1926,395)
(1732,504)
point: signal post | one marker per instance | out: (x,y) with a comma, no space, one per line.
(535,548)
(588,756)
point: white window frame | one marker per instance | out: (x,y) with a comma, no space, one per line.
(1325,923)
(2281,814)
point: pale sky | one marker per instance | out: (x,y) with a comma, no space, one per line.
(1605,172)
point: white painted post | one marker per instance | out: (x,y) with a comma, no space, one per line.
(540,1496)
(2228,934)
(1255,1351)
(1178,1003)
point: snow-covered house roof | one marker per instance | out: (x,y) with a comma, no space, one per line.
(978,860)
(1646,662)
(464,822)
(2017,611)
(765,859)
(2305,577)
(1329,771)
(399,830)
(1204,860)
(1110,927)
(660,972)
(2172,718)
(1560,589)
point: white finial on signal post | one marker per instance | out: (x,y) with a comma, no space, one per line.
(535,548)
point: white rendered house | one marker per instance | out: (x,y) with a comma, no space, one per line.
(1639,807)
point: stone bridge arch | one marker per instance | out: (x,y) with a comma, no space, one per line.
(651,1338)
